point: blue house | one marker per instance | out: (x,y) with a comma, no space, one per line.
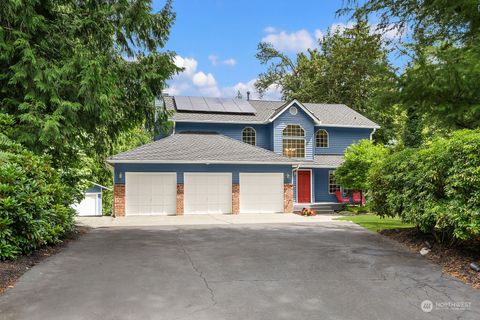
(238,156)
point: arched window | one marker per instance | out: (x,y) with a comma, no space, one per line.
(294,141)
(249,136)
(321,139)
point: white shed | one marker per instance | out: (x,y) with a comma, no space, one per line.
(91,205)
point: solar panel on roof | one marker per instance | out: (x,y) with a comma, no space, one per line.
(183,103)
(199,104)
(244,106)
(230,106)
(217,105)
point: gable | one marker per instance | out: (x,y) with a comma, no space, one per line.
(301,118)
(293,104)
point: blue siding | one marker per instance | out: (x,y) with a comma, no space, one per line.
(231,130)
(321,186)
(181,168)
(341,138)
(301,118)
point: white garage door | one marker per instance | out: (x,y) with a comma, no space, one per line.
(261,192)
(88,206)
(150,193)
(207,192)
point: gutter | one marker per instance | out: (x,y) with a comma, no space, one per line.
(207,162)
(317,124)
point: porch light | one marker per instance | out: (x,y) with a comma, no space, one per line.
(120,175)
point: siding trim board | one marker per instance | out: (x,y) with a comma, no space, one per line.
(267,122)
(121,169)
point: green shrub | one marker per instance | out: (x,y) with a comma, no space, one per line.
(435,187)
(34,203)
(360,159)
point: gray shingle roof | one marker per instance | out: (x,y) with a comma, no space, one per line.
(325,161)
(328,114)
(200,148)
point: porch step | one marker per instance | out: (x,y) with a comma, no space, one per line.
(325,208)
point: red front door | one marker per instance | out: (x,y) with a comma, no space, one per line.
(304,186)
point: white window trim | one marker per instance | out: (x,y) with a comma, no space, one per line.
(311,186)
(329,172)
(255,132)
(328,139)
(296,138)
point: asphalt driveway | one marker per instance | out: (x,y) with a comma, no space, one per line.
(267,271)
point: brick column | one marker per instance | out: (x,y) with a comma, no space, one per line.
(180,199)
(235,198)
(119,200)
(288,198)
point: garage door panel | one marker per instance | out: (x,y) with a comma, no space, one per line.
(208,192)
(261,192)
(150,193)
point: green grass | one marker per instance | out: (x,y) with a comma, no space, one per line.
(374,223)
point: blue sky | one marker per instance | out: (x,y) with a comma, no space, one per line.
(216,40)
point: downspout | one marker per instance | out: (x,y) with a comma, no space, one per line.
(371,134)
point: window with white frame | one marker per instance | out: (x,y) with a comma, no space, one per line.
(321,139)
(332,183)
(294,141)
(249,136)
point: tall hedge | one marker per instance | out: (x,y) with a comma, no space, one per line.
(436,187)
(34,203)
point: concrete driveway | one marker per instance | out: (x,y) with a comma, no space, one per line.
(255,271)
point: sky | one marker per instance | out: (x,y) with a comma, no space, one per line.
(216,40)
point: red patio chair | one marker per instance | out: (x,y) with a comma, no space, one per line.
(358,198)
(341,198)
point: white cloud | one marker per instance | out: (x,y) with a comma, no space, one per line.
(297,41)
(340,27)
(197,82)
(390,32)
(200,79)
(273,92)
(270,29)
(318,34)
(213,59)
(230,62)
(190,65)
(216,61)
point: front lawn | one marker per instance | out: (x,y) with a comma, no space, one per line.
(374,223)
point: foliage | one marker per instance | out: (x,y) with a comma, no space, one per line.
(375,223)
(34,201)
(357,209)
(360,159)
(75,75)
(435,187)
(102,173)
(432,19)
(350,67)
(440,84)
